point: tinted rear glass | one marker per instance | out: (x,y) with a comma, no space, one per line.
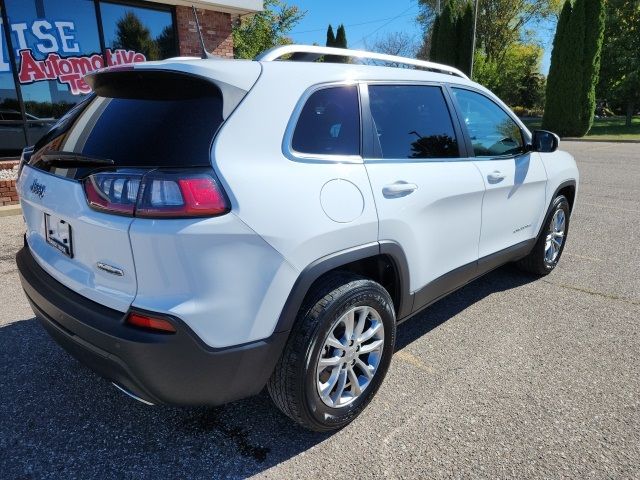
(329,123)
(141,122)
(171,133)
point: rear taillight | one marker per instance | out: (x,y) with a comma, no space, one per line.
(157,193)
(113,192)
(150,323)
(179,194)
(24,159)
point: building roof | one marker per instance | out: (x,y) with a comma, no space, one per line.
(238,7)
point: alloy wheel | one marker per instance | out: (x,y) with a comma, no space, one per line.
(350,356)
(555,236)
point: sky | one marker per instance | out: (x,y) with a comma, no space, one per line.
(365,20)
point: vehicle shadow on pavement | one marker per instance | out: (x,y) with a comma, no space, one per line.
(58,419)
(504,278)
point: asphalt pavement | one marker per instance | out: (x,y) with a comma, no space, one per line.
(510,377)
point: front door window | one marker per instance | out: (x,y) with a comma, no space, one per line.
(493,132)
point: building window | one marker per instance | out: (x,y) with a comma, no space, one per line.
(56,43)
(148,31)
(12,135)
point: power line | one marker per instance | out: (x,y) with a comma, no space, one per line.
(384,25)
(351,24)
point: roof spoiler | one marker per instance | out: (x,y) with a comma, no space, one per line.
(152,83)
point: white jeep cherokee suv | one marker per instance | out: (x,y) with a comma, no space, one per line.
(200,229)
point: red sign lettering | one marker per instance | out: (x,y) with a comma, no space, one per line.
(71,70)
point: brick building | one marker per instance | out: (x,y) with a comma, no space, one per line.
(47,46)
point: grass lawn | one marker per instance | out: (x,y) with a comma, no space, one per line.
(610,128)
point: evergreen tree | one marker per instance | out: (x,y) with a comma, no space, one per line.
(433,50)
(594,13)
(575,64)
(131,34)
(464,45)
(331,42)
(558,81)
(573,69)
(166,43)
(447,35)
(452,36)
(341,37)
(331,38)
(341,42)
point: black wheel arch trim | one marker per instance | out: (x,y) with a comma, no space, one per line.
(394,251)
(343,257)
(563,185)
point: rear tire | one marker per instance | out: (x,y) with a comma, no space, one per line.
(321,379)
(546,253)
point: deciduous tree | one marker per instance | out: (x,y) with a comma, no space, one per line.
(516,79)
(266,29)
(620,67)
(394,43)
(500,22)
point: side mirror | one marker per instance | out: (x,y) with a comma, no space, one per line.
(544,141)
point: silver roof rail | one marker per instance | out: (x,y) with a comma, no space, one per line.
(310,53)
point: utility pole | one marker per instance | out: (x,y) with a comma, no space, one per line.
(473,44)
(438,7)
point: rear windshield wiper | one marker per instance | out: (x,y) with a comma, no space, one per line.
(72,159)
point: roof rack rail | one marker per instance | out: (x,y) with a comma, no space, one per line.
(310,53)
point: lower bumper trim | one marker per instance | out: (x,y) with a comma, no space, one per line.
(176,369)
(129,394)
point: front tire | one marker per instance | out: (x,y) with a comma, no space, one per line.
(546,253)
(338,353)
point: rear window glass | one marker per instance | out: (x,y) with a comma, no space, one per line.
(141,121)
(329,123)
(154,132)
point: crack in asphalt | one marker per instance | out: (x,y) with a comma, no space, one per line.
(608,296)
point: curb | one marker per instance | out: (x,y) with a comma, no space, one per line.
(8,210)
(597,140)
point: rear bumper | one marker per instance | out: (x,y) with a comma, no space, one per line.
(177,369)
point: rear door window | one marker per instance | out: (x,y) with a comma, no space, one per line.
(329,123)
(412,121)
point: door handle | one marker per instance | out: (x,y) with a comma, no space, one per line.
(496,177)
(399,189)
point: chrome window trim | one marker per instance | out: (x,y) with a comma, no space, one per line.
(287,141)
